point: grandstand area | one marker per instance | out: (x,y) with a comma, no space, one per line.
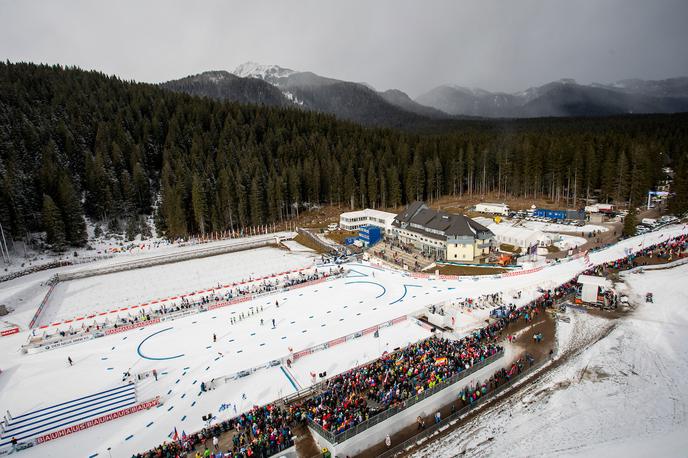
(346,316)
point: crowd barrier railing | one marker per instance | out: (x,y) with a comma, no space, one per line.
(372,421)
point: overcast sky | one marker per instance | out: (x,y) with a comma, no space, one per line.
(506,45)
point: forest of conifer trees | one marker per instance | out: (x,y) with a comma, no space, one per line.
(76,143)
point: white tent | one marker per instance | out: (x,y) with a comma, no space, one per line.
(591,287)
(519,236)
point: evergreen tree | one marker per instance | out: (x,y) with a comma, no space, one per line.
(200,206)
(72,213)
(52,223)
(630,223)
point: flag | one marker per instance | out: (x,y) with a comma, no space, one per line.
(441,361)
(183,435)
(174,435)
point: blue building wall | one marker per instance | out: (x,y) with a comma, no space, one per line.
(369,235)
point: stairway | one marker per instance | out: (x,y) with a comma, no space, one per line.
(30,425)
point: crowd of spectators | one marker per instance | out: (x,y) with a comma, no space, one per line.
(259,433)
(353,397)
(350,398)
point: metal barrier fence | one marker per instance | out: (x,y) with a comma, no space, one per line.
(351,432)
(430,430)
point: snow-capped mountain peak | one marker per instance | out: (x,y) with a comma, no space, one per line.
(270,73)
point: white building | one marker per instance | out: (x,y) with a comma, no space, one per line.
(442,235)
(519,236)
(352,221)
(495,209)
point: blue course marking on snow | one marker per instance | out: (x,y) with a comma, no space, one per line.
(207,368)
(284,337)
(384,290)
(240,351)
(176,381)
(406,287)
(289,378)
(124,338)
(110,368)
(217,358)
(358,314)
(183,396)
(207,347)
(358,274)
(184,418)
(329,311)
(292,322)
(171,407)
(231,340)
(368,267)
(303,331)
(129,437)
(103,359)
(301,294)
(322,325)
(341,319)
(262,345)
(93,456)
(169,392)
(164,373)
(253,333)
(112,348)
(152,358)
(194,322)
(310,316)
(194,382)
(193,403)
(149,424)
(187,368)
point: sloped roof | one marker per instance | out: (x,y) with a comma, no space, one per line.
(450,224)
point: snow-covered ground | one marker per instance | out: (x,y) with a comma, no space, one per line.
(184,353)
(625,395)
(569,242)
(555,227)
(131,287)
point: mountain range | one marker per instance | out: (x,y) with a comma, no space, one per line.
(273,85)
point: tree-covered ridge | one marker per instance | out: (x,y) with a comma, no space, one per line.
(74,142)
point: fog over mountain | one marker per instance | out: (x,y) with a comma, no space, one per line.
(272,85)
(500,46)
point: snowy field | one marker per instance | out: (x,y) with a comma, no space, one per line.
(555,227)
(104,292)
(184,354)
(625,395)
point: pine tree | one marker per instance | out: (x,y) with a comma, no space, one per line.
(630,223)
(52,223)
(72,213)
(199,204)
(678,203)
